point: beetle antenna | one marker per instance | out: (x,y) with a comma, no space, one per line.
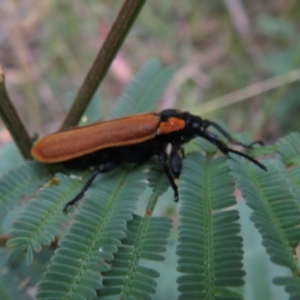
(208,123)
(248,157)
(216,141)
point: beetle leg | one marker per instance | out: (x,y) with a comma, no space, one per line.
(162,159)
(175,161)
(103,168)
(182,152)
(208,123)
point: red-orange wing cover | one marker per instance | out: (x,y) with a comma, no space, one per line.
(73,143)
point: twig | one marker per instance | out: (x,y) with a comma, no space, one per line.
(3,240)
(112,44)
(248,92)
(151,205)
(12,120)
(242,25)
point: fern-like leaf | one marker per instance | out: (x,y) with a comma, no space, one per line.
(43,219)
(159,183)
(275,209)
(289,149)
(158,180)
(128,277)
(74,272)
(20,183)
(209,248)
(289,153)
(145,91)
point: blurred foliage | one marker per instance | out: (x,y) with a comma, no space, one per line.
(47,48)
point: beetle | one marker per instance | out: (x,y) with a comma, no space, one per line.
(132,139)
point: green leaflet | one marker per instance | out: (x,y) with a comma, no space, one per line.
(292,286)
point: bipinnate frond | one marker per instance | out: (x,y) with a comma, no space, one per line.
(128,278)
(21,182)
(275,209)
(210,250)
(273,197)
(89,244)
(157,179)
(43,219)
(289,152)
(288,149)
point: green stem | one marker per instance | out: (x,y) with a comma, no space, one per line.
(112,44)
(151,205)
(12,120)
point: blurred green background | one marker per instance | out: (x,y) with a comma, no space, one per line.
(219,47)
(246,52)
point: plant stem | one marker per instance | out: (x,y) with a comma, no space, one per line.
(151,205)
(12,120)
(112,44)
(248,92)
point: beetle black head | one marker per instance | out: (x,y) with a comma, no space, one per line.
(193,125)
